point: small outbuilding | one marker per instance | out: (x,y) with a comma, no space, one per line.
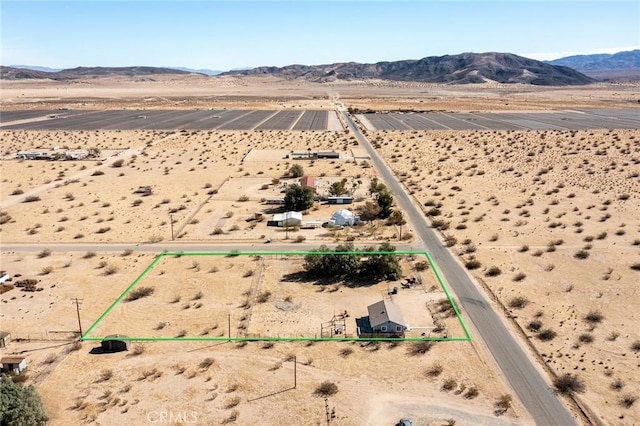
(287,219)
(5,338)
(339,200)
(309,182)
(384,320)
(13,364)
(343,217)
(113,343)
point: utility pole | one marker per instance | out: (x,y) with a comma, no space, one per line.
(171,220)
(78,303)
(295,372)
(229,325)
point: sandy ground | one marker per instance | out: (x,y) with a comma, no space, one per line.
(530,204)
(558,193)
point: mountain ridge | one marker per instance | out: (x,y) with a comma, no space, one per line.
(463,68)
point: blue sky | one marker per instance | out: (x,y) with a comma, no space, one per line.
(223,35)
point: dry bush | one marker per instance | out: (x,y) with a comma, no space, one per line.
(435,370)
(105,375)
(206,363)
(568,384)
(471,393)
(420,347)
(493,271)
(502,404)
(594,317)
(345,352)
(326,388)
(44,253)
(46,270)
(472,264)
(518,302)
(263,297)
(449,384)
(137,350)
(627,401)
(138,293)
(547,334)
(233,416)
(519,276)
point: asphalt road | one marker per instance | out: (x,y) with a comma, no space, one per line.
(175,246)
(523,377)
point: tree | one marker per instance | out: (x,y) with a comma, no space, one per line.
(296,171)
(333,265)
(369,211)
(338,188)
(382,266)
(298,197)
(385,201)
(20,406)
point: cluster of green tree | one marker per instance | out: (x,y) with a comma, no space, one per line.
(296,171)
(298,198)
(353,110)
(381,208)
(349,265)
(20,405)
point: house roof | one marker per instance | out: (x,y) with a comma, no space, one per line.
(12,359)
(309,181)
(288,215)
(384,311)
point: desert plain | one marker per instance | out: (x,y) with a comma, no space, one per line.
(545,221)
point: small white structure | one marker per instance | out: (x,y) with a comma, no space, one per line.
(288,219)
(344,217)
(14,364)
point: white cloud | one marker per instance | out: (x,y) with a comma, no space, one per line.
(549,56)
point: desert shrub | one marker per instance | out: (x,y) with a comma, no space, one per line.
(118,163)
(635,346)
(617,385)
(326,388)
(472,264)
(493,271)
(233,416)
(105,375)
(627,401)
(89,255)
(594,317)
(534,325)
(243,198)
(422,265)
(449,384)
(44,253)
(31,199)
(138,293)
(568,384)
(503,403)
(435,370)
(110,271)
(46,270)
(296,171)
(635,267)
(300,238)
(471,393)
(585,338)
(248,273)
(547,334)
(519,276)
(420,347)
(206,363)
(518,302)
(263,297)
(345,352)
(523,249)
(582,254)
(231,402)
(103,230)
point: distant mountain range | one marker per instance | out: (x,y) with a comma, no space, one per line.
(453,69)
(10,73)
(604,66)
(457,69)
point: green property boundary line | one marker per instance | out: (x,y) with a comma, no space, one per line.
(85,336)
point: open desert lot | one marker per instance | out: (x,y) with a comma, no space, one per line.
(535,190)
(548,222)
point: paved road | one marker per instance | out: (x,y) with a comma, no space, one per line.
(525,379)
(175,246)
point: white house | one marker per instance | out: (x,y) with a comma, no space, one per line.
(287,219)
(14,364)
(344,217)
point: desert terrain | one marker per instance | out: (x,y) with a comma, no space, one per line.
(546,222)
